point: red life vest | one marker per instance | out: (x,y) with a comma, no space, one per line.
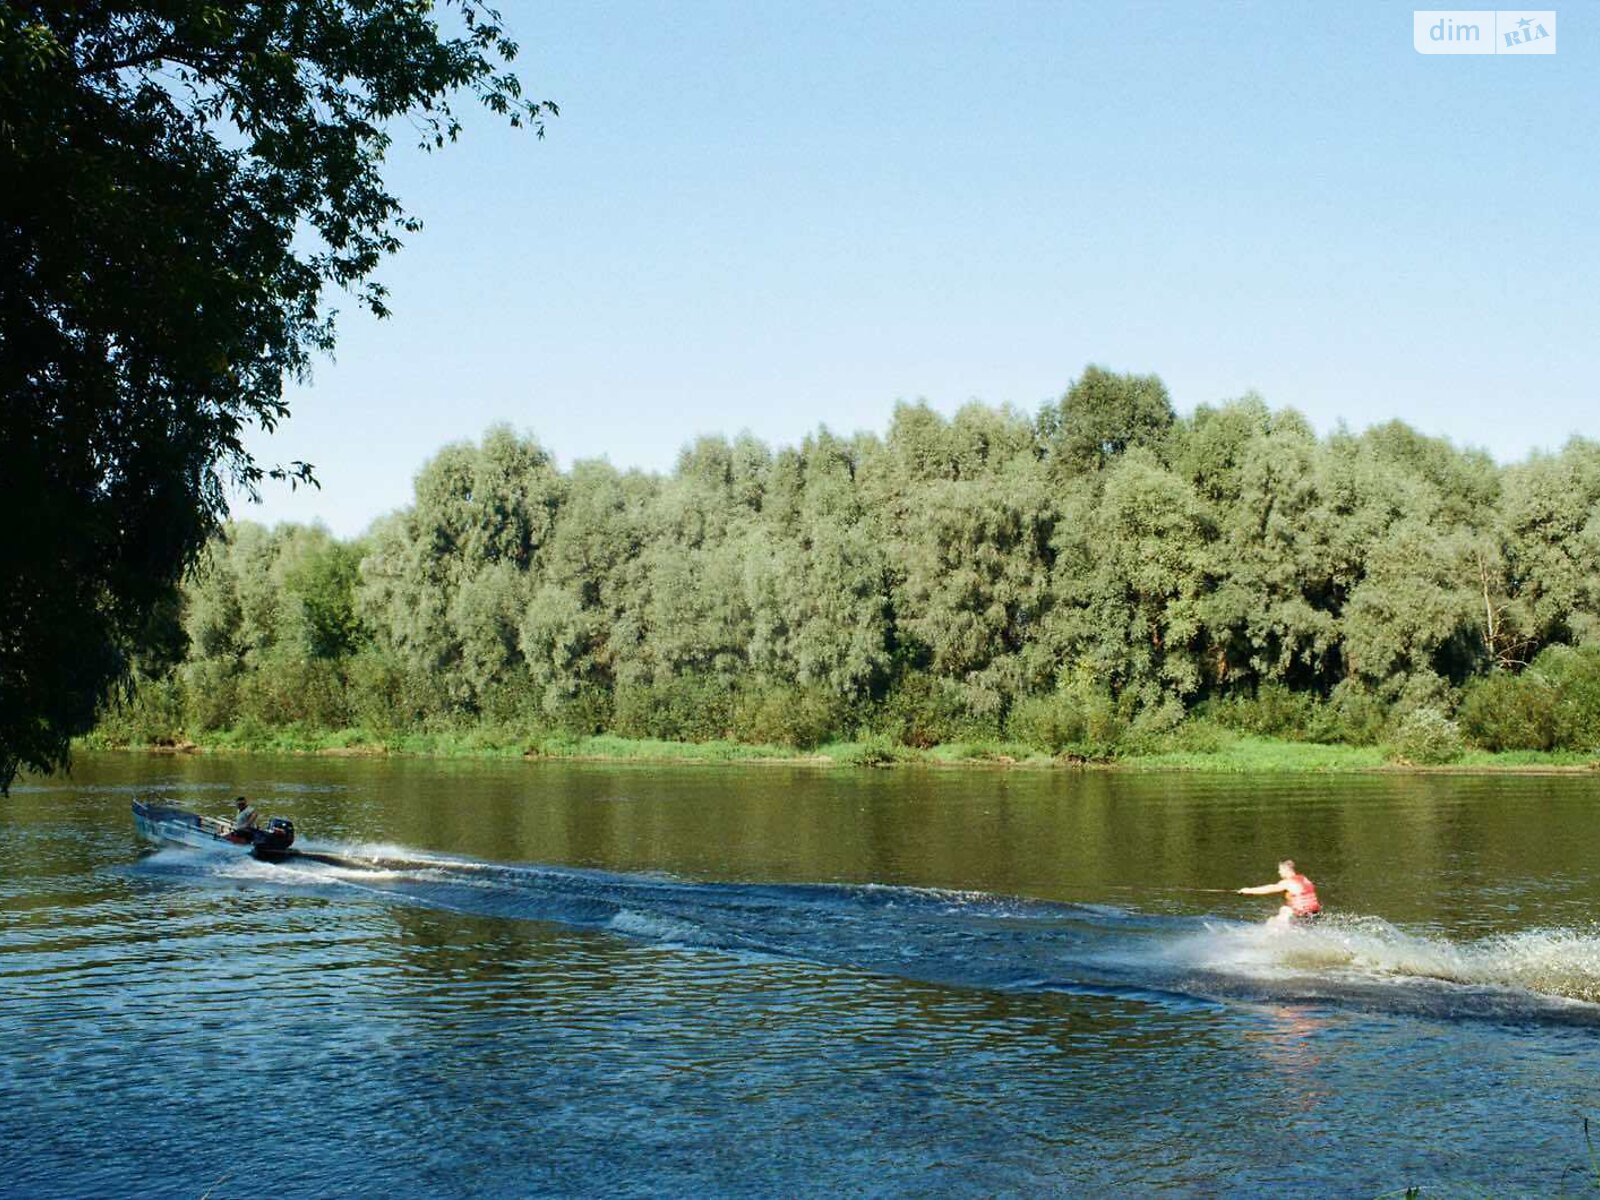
(1302,896)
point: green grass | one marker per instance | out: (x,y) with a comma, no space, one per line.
(1243,753)
(1527,758)
(998,753)
(1193,748)
(611,747)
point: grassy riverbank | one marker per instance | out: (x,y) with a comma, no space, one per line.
(1219,751)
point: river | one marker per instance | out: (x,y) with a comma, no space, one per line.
(542,979)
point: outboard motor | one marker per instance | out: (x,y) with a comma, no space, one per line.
(275,838)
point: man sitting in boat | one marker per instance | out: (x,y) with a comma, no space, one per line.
(245,819)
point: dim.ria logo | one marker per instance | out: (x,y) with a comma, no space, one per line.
(1484,31)
(1526,33)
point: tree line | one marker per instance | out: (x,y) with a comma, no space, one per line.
(1082,579)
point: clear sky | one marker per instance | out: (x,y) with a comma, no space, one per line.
(772,216)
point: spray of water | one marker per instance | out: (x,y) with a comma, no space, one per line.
(1561,963)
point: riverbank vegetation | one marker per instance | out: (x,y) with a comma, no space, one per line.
(1101,580)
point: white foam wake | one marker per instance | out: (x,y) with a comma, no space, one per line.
(1559,963)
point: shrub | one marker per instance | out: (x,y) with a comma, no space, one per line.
(1051,722)
(875,750)
(683,708)
(1274,711)
(1079,719)
(1197,735)
(1352,715)
(1426,737)
(786,716)
(1425,689)
(386,694)
(1575,676)
(512,701)
(587,711)
(1152,725)
(923,710)
(1553,705)
(1510,712)
(210,695)
(310,693)
(248,733)
(151,715)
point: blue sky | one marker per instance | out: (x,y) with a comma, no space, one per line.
(770,217)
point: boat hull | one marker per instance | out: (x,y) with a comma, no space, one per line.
(165,825)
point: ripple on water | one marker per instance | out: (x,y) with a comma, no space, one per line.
(417,1024)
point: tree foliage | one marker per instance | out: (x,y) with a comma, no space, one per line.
(1103,415)
(181,185)
(954,579)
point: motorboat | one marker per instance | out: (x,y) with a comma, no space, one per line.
(166,825)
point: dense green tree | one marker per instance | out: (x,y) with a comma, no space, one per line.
(1414,613)
(1271,613)
(1130,573)
(1103,415)
(818,579)
(952,580)
(1549,525)
(271,621)
(695,611)
(286,592)
(580,622)
(446,583)
(322,578)
(181,184)
(976,586)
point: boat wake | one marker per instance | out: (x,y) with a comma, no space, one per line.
(983,941)
(1537,974)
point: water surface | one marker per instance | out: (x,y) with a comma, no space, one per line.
(509,979)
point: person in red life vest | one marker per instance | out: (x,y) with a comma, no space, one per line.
(1300,901)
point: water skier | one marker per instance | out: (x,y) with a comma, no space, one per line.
(1300,901)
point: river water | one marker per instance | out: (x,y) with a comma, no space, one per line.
(529,979)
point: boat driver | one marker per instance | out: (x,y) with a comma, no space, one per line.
(245,819)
